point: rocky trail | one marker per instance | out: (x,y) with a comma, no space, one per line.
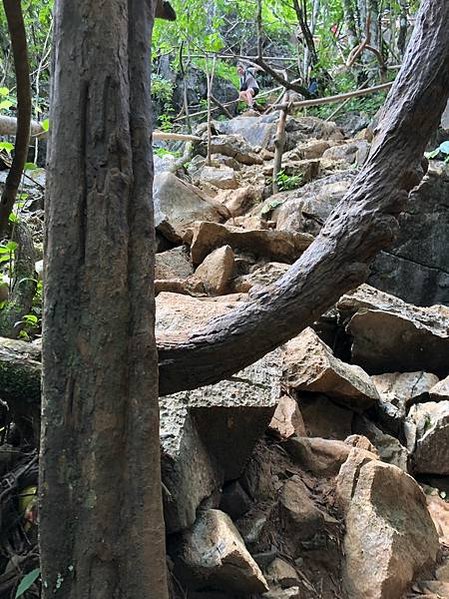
(322,470)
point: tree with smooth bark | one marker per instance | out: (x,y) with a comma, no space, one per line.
(101,523)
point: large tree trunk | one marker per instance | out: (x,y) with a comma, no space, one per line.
(101,523)
(364,223)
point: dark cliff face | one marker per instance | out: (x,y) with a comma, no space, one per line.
(417,268)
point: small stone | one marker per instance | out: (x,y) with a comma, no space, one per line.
(287,420)
(282,573)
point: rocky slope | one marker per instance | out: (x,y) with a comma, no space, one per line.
(320,471)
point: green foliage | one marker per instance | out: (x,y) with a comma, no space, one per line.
(27,582)
(287,182)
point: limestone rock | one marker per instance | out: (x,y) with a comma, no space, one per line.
(427,432)
(239,201)
(307,170)
(390,537)
(180,315)
(379,323)
(299,518)
(260,275)
(389,448)
(439,510)
(397,392)
(440,391)
(310,366)
(280,593)
(287,420)
(177,205)
(306,209)
(280,246)
(223,177)
(319,456)
(417,268)
(187,471)
(216,271)
(231,416)
(173,264)
(282,573)
(354,151)
(213,555)
(235,147)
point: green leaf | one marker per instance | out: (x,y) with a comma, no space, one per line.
(11,246)
(5,104)
(30,166)
(4,91)
(45,125)
(7,146)
(13,218)
(27,581)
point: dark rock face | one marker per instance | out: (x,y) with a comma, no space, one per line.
(417,269)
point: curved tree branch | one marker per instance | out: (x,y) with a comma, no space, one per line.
(13,10)
(364,223)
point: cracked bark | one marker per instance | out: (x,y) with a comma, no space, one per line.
(101,524)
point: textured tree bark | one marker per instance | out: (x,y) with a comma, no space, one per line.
(101,524)
(364,223)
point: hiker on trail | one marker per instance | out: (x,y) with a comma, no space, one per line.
(249,88)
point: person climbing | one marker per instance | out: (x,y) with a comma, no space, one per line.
(249,88)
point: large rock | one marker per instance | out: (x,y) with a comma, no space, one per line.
(260,131)
(322,457)
(235,147)
(398,391)
(173,264)
(389,448)
(417,268)
(231,416)
(177,205)
(299,517)
(309,365)
(213,555)
(390,537)
(180,315)
(427,433)
(390,335)
(216,271)
(440,392)
(306,209)
(188,473)
(223,177)
(260,275)
(280,246)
